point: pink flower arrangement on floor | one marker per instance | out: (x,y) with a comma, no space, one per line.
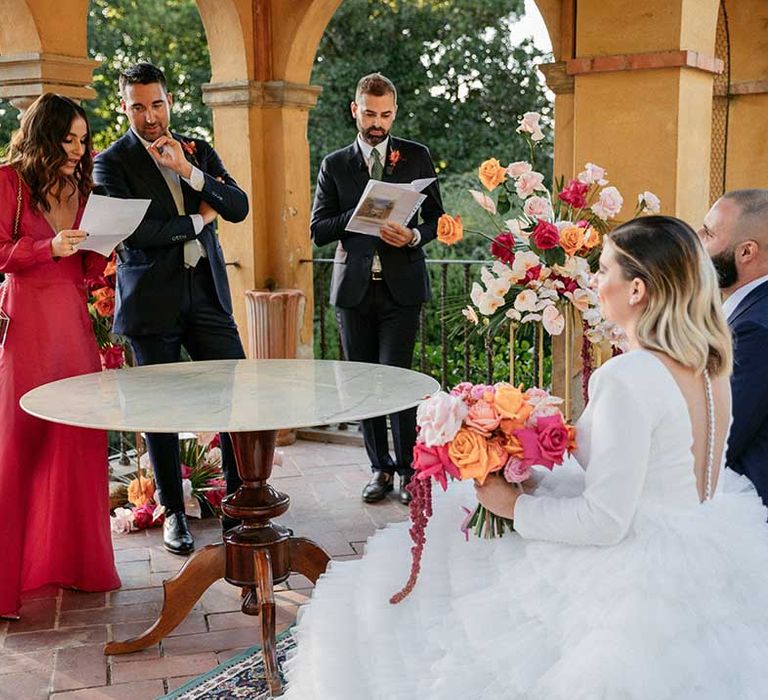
(471,432)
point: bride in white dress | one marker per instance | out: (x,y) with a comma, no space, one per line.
(637,577)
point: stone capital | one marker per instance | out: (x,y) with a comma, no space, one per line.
(269,94)
(26,76)
(644,61)
(557,77)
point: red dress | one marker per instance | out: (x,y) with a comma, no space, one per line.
(54,508)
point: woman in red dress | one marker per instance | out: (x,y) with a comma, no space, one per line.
(54,509)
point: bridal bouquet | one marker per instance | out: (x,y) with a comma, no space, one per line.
(545,247)
(471,432)
(101,307)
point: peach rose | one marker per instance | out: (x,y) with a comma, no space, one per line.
(104,301)
(572,239)
(141,490)
(474,455)
(482,418)
(591,238)
(511,404)
(528,183)
(450,230)
(491,174)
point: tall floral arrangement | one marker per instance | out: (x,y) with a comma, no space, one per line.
(101,307)
(545,246)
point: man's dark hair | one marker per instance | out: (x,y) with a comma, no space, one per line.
(142,74)
(375,84)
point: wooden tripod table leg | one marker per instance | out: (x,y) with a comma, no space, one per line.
(181,593)
(307,558)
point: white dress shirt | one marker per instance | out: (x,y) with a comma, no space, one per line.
(193,250)
(732,302)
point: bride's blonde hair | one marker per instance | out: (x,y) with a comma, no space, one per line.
(684,316)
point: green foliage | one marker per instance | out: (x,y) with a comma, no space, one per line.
(169,34)
(461,82)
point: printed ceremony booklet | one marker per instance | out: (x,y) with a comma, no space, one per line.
(109,221)
(382,201)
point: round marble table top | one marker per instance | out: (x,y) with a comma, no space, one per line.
(229,395)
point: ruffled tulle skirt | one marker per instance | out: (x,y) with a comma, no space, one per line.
(679,609)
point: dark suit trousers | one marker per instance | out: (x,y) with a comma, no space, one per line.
(207,333)
(379,330)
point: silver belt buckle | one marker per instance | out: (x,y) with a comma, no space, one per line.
(376,276)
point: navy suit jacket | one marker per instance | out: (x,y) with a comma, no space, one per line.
(150,271)
(748,440)
(342,178)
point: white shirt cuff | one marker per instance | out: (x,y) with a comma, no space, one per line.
(197,222)
(416,238)
(196,180)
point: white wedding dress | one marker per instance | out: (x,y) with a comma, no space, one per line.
(619,583)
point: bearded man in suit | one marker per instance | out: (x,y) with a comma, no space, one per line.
(735,234)
(172,288)
(379,283)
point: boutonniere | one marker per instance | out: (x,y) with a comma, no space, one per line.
(393,159)
(190,148)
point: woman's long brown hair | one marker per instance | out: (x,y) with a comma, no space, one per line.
(37,153)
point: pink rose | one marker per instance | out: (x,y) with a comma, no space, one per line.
(186,471)
(538,208)
(553,439)
(440,418)
(545,235)
(528,183)
(503,247)
(516,471)
(112,357)
(482,392)
(529,441)
(575,194)
(215,496)
(143,516)
(434,462)
(483,418)
(518,168)
(462,390)
(609,204)
(529,124)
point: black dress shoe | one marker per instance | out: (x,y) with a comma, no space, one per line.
(405,495)
(378,487)
(176,535)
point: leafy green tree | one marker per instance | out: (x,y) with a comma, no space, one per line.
(461,81)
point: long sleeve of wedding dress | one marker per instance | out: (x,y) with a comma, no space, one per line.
(617,426)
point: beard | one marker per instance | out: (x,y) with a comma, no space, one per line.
(371,138)
(725,266)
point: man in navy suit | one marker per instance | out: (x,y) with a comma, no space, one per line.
(378,283)
(172,287)
(735,234)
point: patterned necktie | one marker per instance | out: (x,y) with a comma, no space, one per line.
(377,169)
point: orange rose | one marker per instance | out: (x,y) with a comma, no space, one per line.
(449,230)
(511,404)
(104,301)
(591,238)
(110,269)
(141,490)
(491,174)
(512,446)
(572,239)
(474,455)
(571,438)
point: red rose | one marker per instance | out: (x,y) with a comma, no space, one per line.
(112,357)
(575,194)
(554,439)
(531,274)
(502,247)
(569,283)
(545,235)
(142,516)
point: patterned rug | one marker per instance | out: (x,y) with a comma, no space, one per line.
(240,677)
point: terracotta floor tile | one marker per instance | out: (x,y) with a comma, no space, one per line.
(140,690)
(103,616)
(55,639)
(36,614)
(138,554)
(78,600)
(166,667)
(80,667)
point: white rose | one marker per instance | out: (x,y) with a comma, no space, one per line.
(528,183)
(518,168)
(538,208)
(609,204)
(649,203)
(529,123)
(593,174)
(440,418)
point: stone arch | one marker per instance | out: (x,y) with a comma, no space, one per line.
(230,56)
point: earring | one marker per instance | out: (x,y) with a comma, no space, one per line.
(632,302)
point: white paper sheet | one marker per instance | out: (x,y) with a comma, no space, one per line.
(109,220)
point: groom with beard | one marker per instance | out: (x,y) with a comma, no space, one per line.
(379,282)
(735,234)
